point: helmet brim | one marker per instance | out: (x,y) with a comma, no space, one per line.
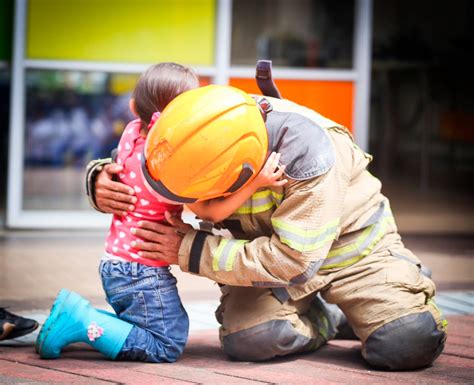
(159,190)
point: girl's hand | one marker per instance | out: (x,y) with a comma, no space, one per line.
(271,173)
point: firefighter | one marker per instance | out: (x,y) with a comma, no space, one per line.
(328,233)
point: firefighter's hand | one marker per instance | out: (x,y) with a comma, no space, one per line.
(113,197)
(161,241)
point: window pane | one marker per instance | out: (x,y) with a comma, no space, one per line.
(303,33)
(71,118)
(422,113)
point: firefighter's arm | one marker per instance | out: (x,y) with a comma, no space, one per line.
(305,225)
(103,192)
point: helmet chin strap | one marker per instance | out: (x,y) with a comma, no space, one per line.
(162,199)
(245,174)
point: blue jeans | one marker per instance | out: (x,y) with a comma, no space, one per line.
(146,297)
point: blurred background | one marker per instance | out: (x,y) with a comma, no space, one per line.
(398,73)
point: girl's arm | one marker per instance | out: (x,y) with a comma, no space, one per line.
(218,209)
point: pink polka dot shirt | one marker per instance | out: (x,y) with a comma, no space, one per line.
(147,207)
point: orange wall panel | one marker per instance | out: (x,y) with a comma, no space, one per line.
(333,99)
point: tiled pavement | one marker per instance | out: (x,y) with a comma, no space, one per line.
(204,363)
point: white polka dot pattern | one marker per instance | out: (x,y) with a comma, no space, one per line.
(120,238)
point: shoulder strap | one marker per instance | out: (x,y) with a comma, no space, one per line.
(265,82)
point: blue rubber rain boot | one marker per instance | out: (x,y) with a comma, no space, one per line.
(39,339)
(72,319)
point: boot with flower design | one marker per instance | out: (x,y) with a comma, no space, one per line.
(72,319)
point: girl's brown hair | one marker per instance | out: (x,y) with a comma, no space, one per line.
(158,86)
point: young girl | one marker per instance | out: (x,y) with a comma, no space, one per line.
(152,324)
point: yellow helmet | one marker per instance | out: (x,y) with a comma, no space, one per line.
(208,142)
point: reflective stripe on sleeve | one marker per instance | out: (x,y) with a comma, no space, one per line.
(363,246)
(260,201)
(305,240)
(224,256)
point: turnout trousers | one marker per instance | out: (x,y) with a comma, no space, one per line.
(385,297)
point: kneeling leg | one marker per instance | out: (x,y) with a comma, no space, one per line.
(256,326)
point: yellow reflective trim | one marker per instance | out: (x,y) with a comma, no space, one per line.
(307,247)
(248,208)
(433,303)
(262,208)
(317,245)
(277,195)
(270,199)
(261,194)
(278,223)
(260,201)
(277,198)
(221,255)
(217,254)
(256,209)
(305,240)
(365,252)
(352,246)
(232,253)
(244,210)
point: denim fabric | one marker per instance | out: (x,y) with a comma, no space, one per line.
(306,148)
(146,297)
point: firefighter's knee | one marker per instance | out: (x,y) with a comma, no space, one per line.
(410,342)
(265,341)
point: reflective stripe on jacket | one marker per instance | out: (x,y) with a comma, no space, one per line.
(330,215)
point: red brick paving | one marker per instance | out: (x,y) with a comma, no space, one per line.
(204,362)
